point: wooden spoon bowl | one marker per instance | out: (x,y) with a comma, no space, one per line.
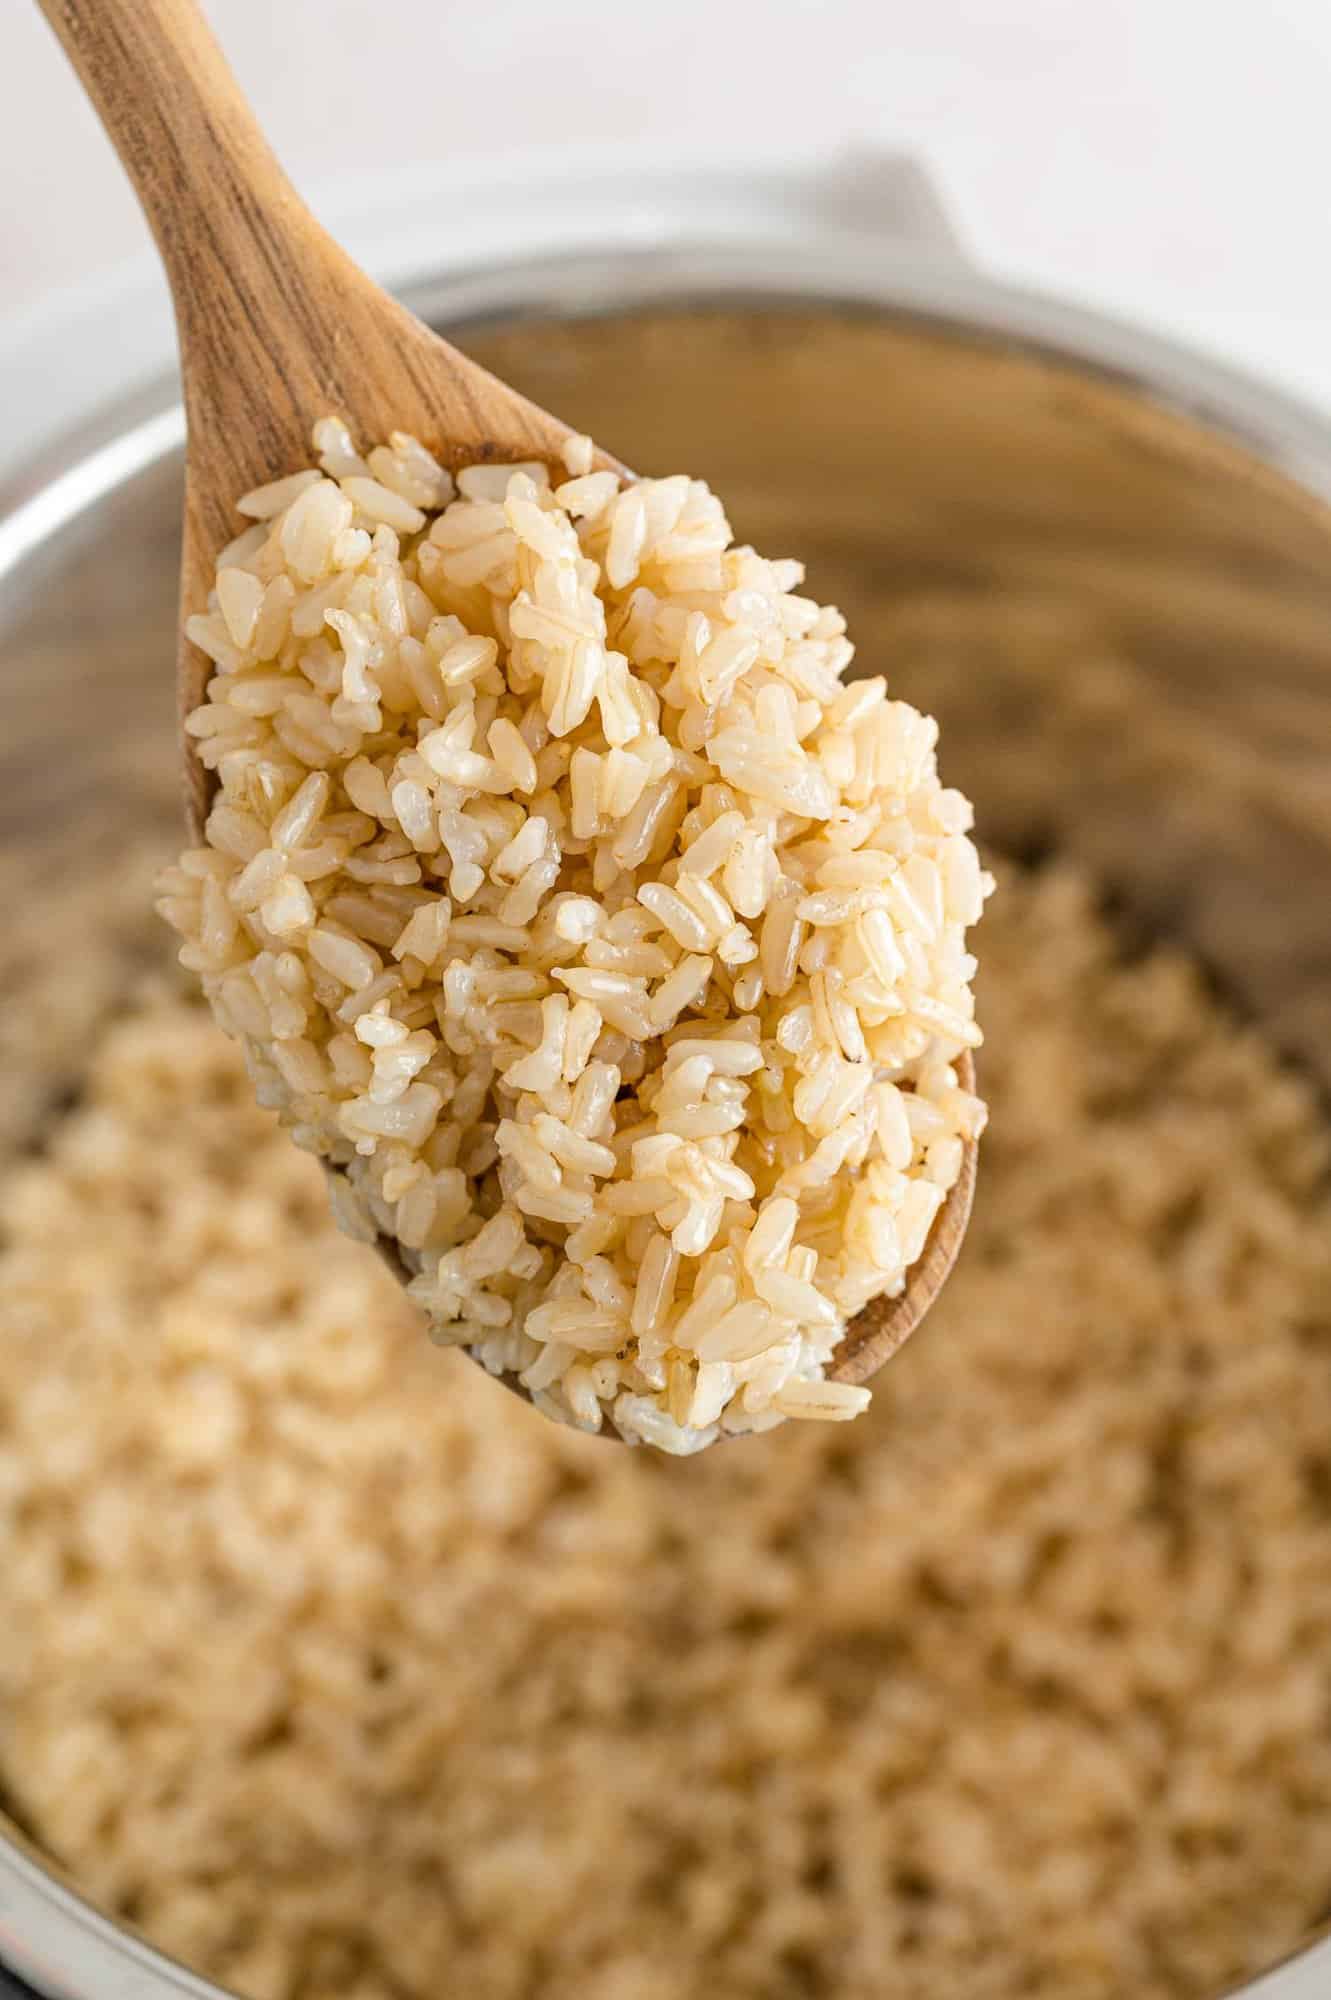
(278,327)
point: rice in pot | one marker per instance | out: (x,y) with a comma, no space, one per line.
(345,1677)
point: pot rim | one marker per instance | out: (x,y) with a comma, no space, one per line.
(1279,431)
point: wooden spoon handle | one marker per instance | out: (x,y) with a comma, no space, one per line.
(264,298)
(200,164)
(277,325)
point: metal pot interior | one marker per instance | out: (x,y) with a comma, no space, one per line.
(1121,618)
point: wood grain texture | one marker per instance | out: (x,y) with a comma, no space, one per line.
(277,325)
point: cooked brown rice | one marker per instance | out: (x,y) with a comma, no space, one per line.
(563,895)
(351,1680)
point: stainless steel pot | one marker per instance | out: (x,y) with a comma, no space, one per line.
(1003,484)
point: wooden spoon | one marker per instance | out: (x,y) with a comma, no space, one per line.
(279,327)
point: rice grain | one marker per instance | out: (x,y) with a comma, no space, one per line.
(517,781)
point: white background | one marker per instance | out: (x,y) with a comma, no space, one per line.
(1167,158)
